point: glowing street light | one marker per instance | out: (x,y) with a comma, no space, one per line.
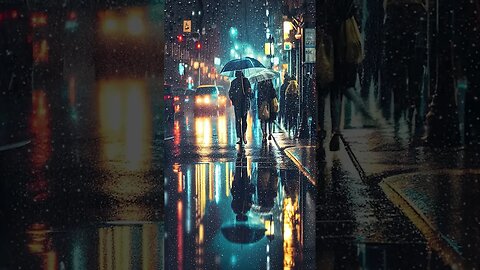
(233,32)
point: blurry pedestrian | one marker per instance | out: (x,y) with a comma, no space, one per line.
(266,110)
(283,106)
(292,94)
(240,94)
(373,42)
(342,31)
(404,55)
(242,193)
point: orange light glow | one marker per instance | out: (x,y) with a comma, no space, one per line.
(38,19)
(40,51)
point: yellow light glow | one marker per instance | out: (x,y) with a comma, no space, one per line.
(206,100)
(109,25)
(135,24)
(287,27)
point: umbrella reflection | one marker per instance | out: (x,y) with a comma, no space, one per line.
(243,232)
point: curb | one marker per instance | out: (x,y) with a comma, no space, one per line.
(311,178)
(434,238)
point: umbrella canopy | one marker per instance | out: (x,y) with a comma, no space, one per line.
(243,232)
(249,66)
(263,75)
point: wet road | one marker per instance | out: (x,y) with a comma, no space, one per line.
(231,208)
(86,192)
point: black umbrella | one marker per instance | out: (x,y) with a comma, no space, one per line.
(244,232)
(249,66)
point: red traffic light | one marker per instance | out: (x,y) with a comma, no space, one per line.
(180,38)
(198,45)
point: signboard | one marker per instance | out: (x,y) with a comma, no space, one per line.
(187,26)
(310,55)
(309,38)
(287,46)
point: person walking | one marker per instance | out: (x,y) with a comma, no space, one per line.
(341,29)
(283,106)
(404,55)
(292,94)
(240,94)
(266,112)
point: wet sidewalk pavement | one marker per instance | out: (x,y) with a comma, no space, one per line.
(435,189)
(359,223)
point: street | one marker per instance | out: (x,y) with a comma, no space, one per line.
(211,184)
(84,187)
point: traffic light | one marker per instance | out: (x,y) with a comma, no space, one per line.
(180,38)
(198,45)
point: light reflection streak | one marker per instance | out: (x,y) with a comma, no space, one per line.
(40,244)
(180,234)
(42,146)
(222,129)
(125,122)
(117,247)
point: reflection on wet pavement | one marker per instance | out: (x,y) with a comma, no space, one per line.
(87,192)
(233,208)
(237,215)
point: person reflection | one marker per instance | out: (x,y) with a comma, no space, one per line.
(242,191)
(267,184)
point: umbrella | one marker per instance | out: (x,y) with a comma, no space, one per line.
(243,232)
(263,75)
(249,66)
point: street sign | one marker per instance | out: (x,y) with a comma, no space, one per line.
(287,46)
(310,55)
(309,38)
(187,26)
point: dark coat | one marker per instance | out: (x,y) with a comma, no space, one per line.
(240,94)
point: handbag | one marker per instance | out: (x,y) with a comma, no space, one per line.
(275,106)
(264,111)
(350,45)
(325,61)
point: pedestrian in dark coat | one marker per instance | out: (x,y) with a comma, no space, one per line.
(240,94)
(282,98)
(266,94)
(292,97)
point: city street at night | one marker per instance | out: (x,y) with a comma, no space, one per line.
(211,183)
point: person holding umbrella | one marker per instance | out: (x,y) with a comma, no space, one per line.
(240,94)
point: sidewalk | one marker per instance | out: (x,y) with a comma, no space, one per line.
(301,152)
(435,189)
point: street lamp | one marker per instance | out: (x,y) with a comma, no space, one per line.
(270,49)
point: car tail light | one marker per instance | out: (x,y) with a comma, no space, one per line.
(166,97)
(13,14)
(176,98)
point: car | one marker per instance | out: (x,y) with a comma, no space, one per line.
(206,99)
